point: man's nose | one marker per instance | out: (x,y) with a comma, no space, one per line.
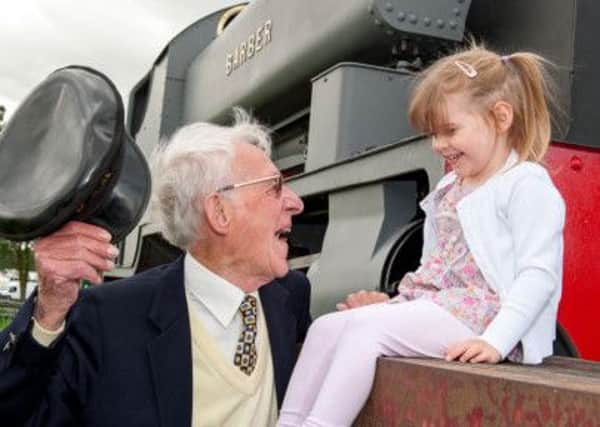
(292,203)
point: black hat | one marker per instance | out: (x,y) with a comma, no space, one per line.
(65,155)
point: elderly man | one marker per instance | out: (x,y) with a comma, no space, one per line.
(200,341)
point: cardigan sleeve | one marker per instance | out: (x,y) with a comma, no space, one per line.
(536,217)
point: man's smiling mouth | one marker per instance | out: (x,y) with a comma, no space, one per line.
(283,234)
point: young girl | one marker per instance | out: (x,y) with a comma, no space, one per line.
(490,277)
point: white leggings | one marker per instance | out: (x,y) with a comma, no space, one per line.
(336,368)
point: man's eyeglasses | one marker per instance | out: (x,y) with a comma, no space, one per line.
(277,184)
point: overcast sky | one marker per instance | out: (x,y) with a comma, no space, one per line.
(120,38)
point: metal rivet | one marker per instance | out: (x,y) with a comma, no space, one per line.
(412,18)
(389,32)
(389,7)
(456,11)
(378,23)
(427,21)
(576,163)
(453,25)
(440,23)
(401,16)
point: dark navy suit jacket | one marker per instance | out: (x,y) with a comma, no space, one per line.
(125,359)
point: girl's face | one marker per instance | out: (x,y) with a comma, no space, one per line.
(472,145)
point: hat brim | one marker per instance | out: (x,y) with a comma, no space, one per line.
(125,205)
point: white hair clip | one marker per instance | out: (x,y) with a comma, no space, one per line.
(468,69)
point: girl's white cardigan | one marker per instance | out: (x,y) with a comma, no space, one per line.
(513,224)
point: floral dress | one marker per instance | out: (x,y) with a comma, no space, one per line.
(450,277)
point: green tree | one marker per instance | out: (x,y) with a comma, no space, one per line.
(18,256)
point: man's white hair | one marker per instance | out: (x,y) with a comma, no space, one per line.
(195,162)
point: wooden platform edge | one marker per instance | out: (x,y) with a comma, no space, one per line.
(430,392)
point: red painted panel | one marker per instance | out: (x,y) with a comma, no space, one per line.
(576,172)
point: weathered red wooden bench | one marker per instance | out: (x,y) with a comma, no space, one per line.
(428,392)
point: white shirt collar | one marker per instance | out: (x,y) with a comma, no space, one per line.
(220,297)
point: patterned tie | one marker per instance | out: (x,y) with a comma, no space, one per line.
(245,352)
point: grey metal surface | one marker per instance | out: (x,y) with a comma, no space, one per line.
(154,111)
(564,31)
(155,105)
(305,37)
(382,163)
(290,140)
(542,26)
(585,91)
(355,107)
(441,18)
(367,209)
(367,222)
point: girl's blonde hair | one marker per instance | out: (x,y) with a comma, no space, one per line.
(521,79)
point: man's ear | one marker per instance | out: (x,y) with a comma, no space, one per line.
(217,213)
(503,116)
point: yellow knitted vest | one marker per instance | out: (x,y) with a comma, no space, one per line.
(225,396)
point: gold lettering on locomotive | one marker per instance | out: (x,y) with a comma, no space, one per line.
(267,31)
(249,48)
(236,60)
(228,64)
(259,31)
(242,53)
(250,51)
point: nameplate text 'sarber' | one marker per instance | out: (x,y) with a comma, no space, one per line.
(249,47)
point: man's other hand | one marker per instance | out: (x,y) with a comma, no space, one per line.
(361,298)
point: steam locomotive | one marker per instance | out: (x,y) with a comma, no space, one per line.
(332,78)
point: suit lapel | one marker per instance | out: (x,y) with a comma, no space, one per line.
(282,333)
(170,352)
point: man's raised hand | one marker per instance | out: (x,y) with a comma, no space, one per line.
(76,251)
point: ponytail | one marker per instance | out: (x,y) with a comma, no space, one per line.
(531,131)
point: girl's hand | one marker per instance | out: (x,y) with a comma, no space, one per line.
(474,351)
(361,298)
